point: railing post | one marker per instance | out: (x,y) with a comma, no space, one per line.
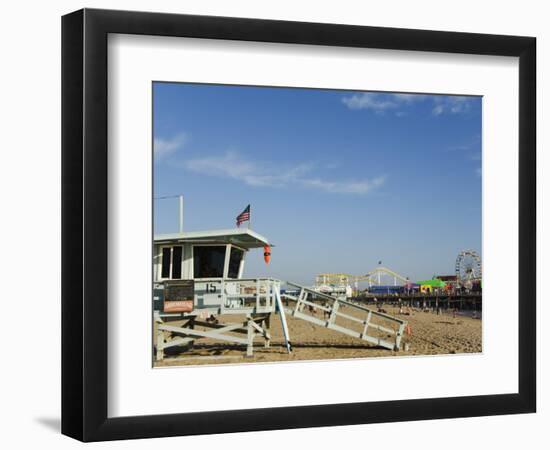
(333,312)
(250,337)
(367,323)
(257,294)
(301,299)
(160,345)
(398,336)
(222,292)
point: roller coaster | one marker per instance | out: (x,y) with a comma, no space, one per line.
(467,269)
(373,278)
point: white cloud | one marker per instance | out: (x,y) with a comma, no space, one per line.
(471,149)
(451,104)
(345,187)
(232,165)
(409,98)
(369,101)
(381,103)
(163,148)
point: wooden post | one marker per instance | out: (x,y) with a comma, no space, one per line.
(160,345)
(333,312)
(266,325)
(250,337)
(367,323)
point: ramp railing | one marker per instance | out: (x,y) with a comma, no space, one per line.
(345,317)
(243,294)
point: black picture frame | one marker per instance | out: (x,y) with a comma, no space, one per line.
(84,224)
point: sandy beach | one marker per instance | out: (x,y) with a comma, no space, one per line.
(430,334)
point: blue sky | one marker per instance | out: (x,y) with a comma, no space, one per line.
(337,180)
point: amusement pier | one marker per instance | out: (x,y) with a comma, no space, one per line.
(457,292)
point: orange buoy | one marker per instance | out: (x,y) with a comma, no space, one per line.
(267,254)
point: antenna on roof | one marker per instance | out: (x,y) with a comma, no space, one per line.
(181,213)
(180,196)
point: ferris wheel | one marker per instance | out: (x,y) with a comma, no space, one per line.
(468,267)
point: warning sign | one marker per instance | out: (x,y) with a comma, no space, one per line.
(179,296)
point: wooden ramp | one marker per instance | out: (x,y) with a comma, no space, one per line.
(345,317)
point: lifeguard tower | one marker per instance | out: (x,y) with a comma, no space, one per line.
(198,280)
(198,276)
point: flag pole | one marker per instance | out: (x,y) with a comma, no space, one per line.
(181,214)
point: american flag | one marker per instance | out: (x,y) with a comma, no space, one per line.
(244,216)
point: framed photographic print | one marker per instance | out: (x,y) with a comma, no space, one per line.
(273,224)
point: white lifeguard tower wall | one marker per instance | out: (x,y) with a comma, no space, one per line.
(215,260)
